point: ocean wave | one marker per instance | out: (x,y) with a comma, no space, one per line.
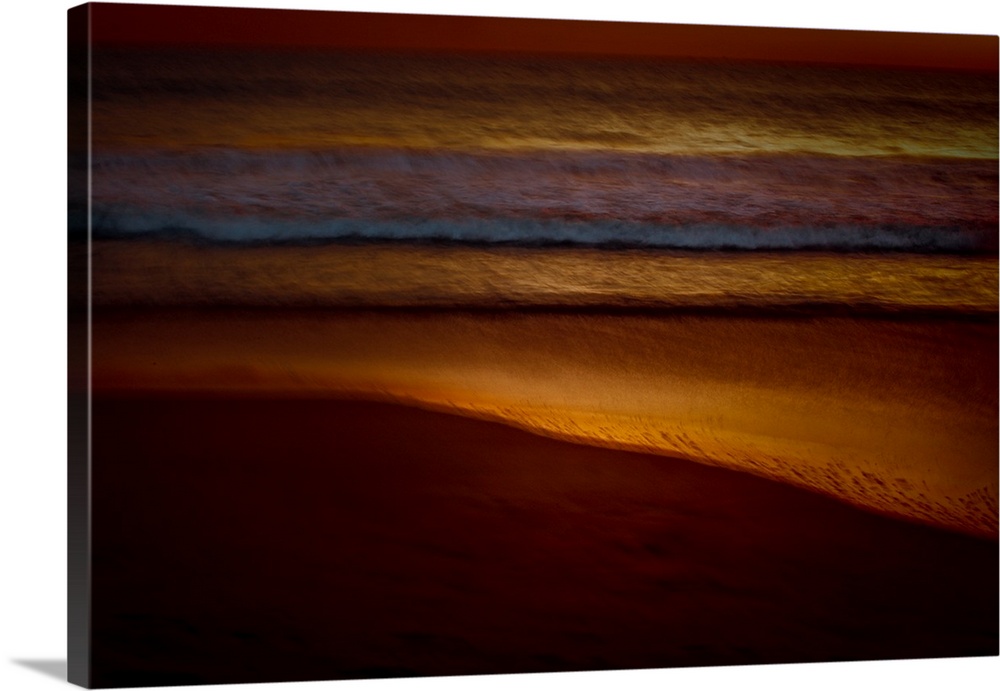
(391,276)
(542,232)
(800,167)
(247,98)
(751,202)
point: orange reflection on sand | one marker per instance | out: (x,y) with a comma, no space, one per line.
(897,417)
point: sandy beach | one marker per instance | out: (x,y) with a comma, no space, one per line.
(248,539)
(894,415)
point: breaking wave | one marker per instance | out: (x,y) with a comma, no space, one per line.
(576,198)
(541,232)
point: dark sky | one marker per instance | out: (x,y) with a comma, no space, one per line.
(230,27)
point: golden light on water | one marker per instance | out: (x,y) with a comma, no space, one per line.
(415,275)
(323,100)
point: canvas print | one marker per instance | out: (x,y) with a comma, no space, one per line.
(427,345)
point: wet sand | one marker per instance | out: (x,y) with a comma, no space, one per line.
(263,539)
(898,416)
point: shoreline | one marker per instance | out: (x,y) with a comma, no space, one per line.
(346,397)
(896,416)
(334,539)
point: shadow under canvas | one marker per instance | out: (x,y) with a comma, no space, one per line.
(51,668)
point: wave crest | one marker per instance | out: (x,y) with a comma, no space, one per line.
(682,202)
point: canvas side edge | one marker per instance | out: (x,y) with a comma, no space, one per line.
(78,352)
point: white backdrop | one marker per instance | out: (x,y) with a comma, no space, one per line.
(33,423)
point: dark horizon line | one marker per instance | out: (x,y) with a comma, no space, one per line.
(259,27)
(527,55)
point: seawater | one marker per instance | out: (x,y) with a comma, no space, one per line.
(258,146)
(188,99)
(787,270)
(484,276)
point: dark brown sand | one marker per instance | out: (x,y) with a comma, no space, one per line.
(265,540)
